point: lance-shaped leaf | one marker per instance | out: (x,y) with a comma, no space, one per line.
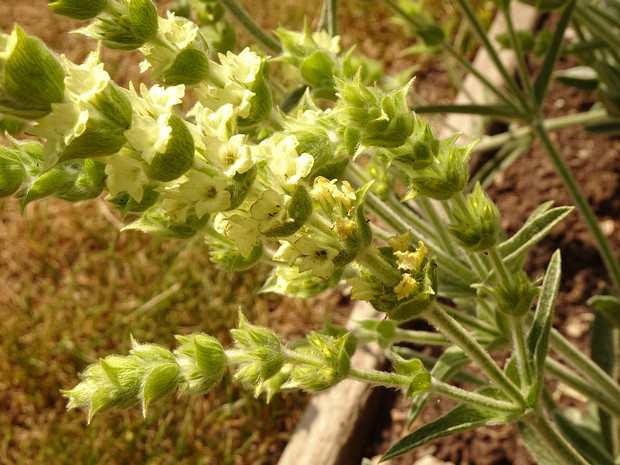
(587,441)
(540,450)
(535,228)
(604,345)
(461,418)
(609,306)
(541,83)
(538,337)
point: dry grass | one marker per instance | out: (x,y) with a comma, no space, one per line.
(72,288)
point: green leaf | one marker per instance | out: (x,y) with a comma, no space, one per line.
(318,69)
(190,67)
(608,305)
(611,127)
(604,348)
(535,228)
(158,383)
(539,449)
(587,442)
(580,77)
(461,418)
(447,365)
(541,82)
(538,337)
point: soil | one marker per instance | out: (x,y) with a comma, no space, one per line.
(595,163)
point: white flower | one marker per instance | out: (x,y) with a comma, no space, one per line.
(149,136)
(317,257)
(85,81)
(286,166)
(66,122)
(155,101)
(324,40)
(231,93)
(214,123)
(175,34)
(125,174)
(270,210)
(287,253)
(208,193)
(232,156)
(243,67)
(240,228)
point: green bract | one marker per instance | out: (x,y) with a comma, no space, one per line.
(78,9)
(31,78)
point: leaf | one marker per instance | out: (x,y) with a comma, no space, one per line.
(584,439)
(541,82)
(538,337)
(580,77)
(608,305)
(446,366)
(540,450)
(611,127)
(535,228)
(158,383)
(461,418)
(604,352)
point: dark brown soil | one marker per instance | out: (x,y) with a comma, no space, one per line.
(595,163)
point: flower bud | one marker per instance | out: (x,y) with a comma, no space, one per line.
(12,172)
(118,382)
(157,221)
(514,297)
(479,227)
(202,360)
(127,204)
(381,119)
(318,69)
(179,154)
(335,363)
(78,9)
(446,176)
(31,78)
(125,25)
(290,281)
(258,353)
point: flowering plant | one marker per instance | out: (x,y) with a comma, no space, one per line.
(330,179)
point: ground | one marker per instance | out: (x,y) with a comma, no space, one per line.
(595,161)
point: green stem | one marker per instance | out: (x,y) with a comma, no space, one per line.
(587,367)
(556,442)
(472,348)
(456,54)
(394,380)
(604,247)
(486,43)
(494,142)
(473,398)
(419,337)
(500,266)
(379,267)
(440,227)
(519,55)
(329,17)
(252,26)
(583,386)
(521,351)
